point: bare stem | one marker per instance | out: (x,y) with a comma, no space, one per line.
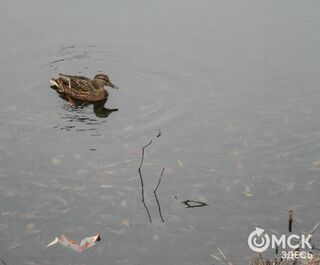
(141,181)
(155,195)
(223,256)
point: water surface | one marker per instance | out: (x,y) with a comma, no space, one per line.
(233,86)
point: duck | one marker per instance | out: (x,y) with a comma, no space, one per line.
(83,88)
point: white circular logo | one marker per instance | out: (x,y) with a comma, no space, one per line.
(258,241)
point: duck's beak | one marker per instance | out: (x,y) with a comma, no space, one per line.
(113,86)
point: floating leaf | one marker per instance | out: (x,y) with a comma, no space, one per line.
(215,257)
(288,186)
(125,222)
(106,186)
(156,237)
(55,241)
(124,203)
(316,164)
(118,232)
(56,161)
(180,163)
(3,227)
(82,172)
(247,191)
(84,244)
(76,156)
(30,226)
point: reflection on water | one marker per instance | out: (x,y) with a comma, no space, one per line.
(68,53)
(75,113)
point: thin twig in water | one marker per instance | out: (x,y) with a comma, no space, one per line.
(223,256)
(155,195)
(141,180)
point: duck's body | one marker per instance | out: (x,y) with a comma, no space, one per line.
(83,88)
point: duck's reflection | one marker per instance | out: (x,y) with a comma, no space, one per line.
(100,111)
(99,108)
(79,117)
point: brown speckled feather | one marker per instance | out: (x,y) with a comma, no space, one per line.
(79,87)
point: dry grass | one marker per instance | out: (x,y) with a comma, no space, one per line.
(261,261)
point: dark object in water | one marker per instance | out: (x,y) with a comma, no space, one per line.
(290,220)
(194,204)
(83,88)
(159,134)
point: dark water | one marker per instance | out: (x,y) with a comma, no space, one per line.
(232,85)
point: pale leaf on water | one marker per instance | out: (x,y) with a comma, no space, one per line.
(247,191)
(316,164)
(55,241)
(118,232)
(3,226)
(76,156)
(310,182)
(236,181)
(14,246)
(106,186)
(156,237)
(128,128)
(288,186)
(82,172)
(125,222)
(111,165)
(30,226)
(215,257)
(124,203)
(239,164)
(180,163)
(56,161)
(248,194)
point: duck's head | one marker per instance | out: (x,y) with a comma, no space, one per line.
(103,80)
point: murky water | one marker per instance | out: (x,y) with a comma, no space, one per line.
(234,89)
